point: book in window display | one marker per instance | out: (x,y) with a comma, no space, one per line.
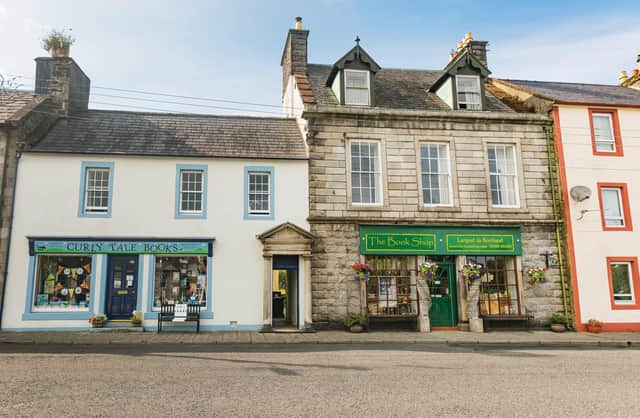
(180,280)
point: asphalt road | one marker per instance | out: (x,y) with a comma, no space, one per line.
(317,380)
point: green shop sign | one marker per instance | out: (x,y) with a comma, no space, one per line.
(439,240)
(53,246)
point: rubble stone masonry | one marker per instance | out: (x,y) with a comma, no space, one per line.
(335,222)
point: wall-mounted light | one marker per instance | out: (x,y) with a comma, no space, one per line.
(550,260)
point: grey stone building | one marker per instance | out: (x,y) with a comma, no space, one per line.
(25,117)
(414,166)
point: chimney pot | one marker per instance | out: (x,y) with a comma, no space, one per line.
(298,23)
(635,72)
(468,36)
(623,76)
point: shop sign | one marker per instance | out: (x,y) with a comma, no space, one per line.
(412,240)
(118,247)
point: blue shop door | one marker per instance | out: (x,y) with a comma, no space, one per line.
(122,286)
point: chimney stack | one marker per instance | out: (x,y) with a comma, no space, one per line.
(294,56)
(477,48)
(62,79)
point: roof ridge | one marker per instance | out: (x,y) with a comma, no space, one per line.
(385,68)
(557,82)
(207,115)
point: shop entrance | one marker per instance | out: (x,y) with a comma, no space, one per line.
(284,291)
(444,297)
(122,286)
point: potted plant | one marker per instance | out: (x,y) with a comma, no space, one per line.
(558,322)
(136,319)
(536,275)
(356,322)
(595,326)
(97,321)
(57,42)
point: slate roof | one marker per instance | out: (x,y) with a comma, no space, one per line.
(394,89)
(12,101)
(580,93)
(162,134)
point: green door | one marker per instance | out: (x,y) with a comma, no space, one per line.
(444,297)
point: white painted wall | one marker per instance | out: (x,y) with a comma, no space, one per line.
(445,92)
(592,245)
(144,206)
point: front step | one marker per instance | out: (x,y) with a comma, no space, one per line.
(118,326)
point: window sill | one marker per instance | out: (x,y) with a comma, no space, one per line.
(439,209)
(634,306)
(256,217)
(365,207)
(494,209)
(55,315)
(94,215)
(191,216)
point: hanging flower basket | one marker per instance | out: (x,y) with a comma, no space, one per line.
(536,275)
(428,270)
(472,272)
(362,271)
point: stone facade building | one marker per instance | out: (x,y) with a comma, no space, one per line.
(415,166)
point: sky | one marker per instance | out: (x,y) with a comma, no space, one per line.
(231,50)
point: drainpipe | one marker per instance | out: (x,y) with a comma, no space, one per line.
(11,210)
(556,217)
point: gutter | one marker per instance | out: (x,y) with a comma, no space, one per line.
(11,211)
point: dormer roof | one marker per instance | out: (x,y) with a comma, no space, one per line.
(463,59)
(357,55)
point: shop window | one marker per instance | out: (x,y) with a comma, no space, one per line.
(605,132)
(191,193)
(391,288)
(356,87)
(63,283)
(96,187)
(614,207)
(258,193)
(499,287)
(435,172)
(624,284)
(468,87)
(503,176)
(366,187)
(180,279)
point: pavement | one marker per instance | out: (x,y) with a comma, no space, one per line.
(516,338)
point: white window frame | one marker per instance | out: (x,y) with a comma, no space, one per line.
(448,173)
(183,192)
(346,87)
(88,188)
(378,181)
(474,106)
(513,176)
(630,278)
(613,137)
(618,191)
(267,193)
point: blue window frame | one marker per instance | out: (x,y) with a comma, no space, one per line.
(259,202)
(96,189)
(191,191)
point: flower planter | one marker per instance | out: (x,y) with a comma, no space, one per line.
(356,328)
(558,328)
(594,329)
(97,324)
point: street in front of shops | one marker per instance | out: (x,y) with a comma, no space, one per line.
(423,379)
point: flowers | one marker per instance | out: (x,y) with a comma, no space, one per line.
(471,271)
(536,275)
(97,320)
(362,271)
(428,269)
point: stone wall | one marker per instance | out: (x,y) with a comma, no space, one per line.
(336,222)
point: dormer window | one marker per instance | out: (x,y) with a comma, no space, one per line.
(356,88)
(468,88)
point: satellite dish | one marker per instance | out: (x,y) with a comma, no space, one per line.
(580,193)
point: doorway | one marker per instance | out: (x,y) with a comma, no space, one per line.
(444,295)
(122,287)
(285,305)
